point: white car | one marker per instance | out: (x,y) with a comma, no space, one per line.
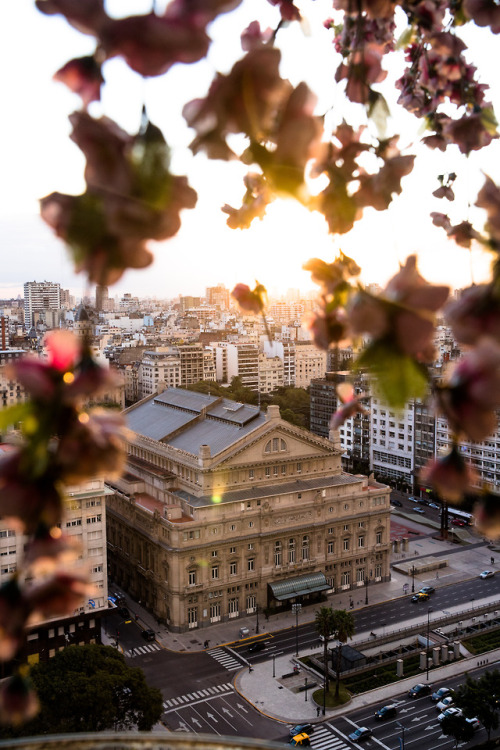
(486,574)
(476,724)
(447,702)
(450,712)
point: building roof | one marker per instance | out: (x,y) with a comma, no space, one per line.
(187,420)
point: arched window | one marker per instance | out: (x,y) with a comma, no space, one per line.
(291,550)
(277,553)
(276,445)
(305,547)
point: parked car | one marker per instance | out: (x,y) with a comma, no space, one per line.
(397,503)
(476,724)
(458,522)
(486,574)
(386,712)
(148,635)
(330,638)
(418,690)
(434,505)
(453,711)
(413,499)
(360,734)
(441,693)
(301,740)
(447,702)
(420,597)
(301,729)
(260,646)
(419,510)
(427,590)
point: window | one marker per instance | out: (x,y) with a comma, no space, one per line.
(346,544)
(283,471)
(330,548)
(233,568)
(378,537)
(361,524)
(251,603)
(251,564)
(251,474)
(378,571)
(268,471)
(305,548)
(214,553)
(299,467)
(360,575)
(192,577)
(192,617)
(215,612)
(330,529)
(250,524)
(277,553)
(97,569)
(232,527)
(94,519)
(215,572)
(250,546)
(291,550)
(345,578)
(233,607)
(346,527)
(232,550)
(361,541)
(195,534)
(75,522)
(275,471)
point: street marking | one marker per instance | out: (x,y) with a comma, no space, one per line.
(191,699)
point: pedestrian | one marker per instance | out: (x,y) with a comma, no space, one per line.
(437,573)
(318,710)
(249,668)
(492,560)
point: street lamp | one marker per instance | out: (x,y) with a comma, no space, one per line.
(413,578)
(296,609)
(366,590)
(274,665)
(305,690)
(401,739)
(257,623)
(428,635)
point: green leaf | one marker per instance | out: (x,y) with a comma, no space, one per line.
(405,38)
(489,121)
(398,376)
(13,414)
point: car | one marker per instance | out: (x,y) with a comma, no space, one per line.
(427,590)
(361,733)
(123,612)
(453,711)
(259,646)
(397,503)
(301,729)
(418,510)
(301,740)
(148,635)
(447,702)
(420,597)
(418,690)
(413,499)
(434,505)
(475,723)
(423,501)
(458,522)
(441,693)
(386,712)
(330,638)
(486,574)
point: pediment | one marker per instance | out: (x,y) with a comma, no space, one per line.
(277,443)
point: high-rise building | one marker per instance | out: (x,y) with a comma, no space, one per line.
(40,296)
(101,298)
(218,295)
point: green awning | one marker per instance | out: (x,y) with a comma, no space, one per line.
(299,586)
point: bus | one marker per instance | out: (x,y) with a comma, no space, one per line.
(460,517)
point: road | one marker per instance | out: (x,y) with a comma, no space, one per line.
(198,693)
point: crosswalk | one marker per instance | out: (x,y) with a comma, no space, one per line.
(141,650)
(323,739)
(173,704)
(225,659)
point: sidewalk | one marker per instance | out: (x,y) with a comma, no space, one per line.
(273,696)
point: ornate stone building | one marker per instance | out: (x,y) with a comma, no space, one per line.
(225,509)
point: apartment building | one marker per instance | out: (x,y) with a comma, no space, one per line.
(285,350)
(158,368)
(224,509)
(310,363)
(38,297)
(243,362)
(391,446)
(270,373)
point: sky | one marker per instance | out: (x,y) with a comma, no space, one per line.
(38,158)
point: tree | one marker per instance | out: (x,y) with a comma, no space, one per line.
(479,698)
(458,727)
(91,689)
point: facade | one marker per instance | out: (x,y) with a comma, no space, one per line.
(391,448)
(484,457)
(11,392)
(243,362)
(38,297)
(84,521)
(192,363)
(101,298)
(310,363)
(159,368)
(225,509)
(270,373)
(219,296)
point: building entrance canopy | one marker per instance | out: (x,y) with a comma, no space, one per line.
(299,586)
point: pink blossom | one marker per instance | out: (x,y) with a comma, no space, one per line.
(289,12)
(363,68)
(255,201)
(327,326)
(253,36)
(487,515)
(489,199)
(48,548)
(476,313)
(450,475)
(63,348)
(351,405)
(469,132)
(483,13)
(14,611)
(332,276)
(88,17)
(445,191)
(83,77)
(58,595)
(472,393)
(18,700)
(248,300)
